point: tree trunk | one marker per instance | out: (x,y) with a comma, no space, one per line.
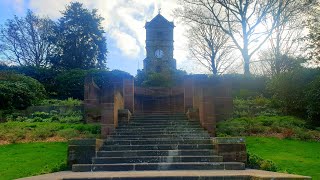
(213,65)
(246,65)
(277,52)
(245,50)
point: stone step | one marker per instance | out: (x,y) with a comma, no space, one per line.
(164,121)
(159,116)
(155,159)
(158,136)
(154,142)
(155,114)
(159,166)
(200,152)
(247,174)
(157,126)
(189,131)
(173,131)
(160,119)
(162,125)
(157,129)
(185,132)
(156,147)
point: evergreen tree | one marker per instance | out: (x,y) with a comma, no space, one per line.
(79,39)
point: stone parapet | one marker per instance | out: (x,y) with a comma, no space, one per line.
(232,149)
(124,115)
(81,151)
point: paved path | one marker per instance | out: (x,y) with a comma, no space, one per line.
(258,174)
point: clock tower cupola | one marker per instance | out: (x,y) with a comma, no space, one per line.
(159,46)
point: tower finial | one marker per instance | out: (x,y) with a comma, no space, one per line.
(159,10)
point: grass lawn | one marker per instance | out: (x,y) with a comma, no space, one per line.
(292,156)
(21,160)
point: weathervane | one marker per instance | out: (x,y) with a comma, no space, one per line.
(159,10)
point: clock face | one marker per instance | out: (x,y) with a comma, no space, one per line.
(158,53)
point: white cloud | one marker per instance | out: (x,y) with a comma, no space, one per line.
(124,21)
(18,6)
(127,43)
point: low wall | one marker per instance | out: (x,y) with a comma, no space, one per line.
(82,151)
(232,149)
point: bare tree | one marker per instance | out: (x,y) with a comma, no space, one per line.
(313,37)
(25,40)
(208,45)
(268,66)
(241,20)
(284,41)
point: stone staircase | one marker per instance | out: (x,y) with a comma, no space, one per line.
(158,141)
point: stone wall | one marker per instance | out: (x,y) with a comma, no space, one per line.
(156,99)
(210,98)
(232,149)
(102,105)
(91,103)
(128,94)
(207,100)
(109,114)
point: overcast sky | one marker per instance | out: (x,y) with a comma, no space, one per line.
(124,23)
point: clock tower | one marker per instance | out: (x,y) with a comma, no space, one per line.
(159,46)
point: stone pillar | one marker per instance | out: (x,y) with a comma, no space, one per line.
(91,101)
(223,101)
(107,119)
(188,94)
(208,110)
(128,94)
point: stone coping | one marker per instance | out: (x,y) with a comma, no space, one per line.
(252,173)
(84,142)
(228,140)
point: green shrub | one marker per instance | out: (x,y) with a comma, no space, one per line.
(18,131)
(92,129)
(246,87)
(18,91)
(57,102)
(68,133)
(304,135)
(40,115)
(288,91)
(70,83)
(256,162)
(71,119)
(45,76)
(16,136)
(312,95)
(258,106)
(41,133)
(170,79)
(284,126)
(70,116)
